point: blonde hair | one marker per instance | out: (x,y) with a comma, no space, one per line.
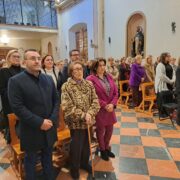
(9,55)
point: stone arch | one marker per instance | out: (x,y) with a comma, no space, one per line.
(135,20)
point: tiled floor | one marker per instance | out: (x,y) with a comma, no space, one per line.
(145,148)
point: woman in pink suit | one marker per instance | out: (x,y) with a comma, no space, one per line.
(107,93)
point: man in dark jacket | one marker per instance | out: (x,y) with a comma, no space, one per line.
(74,56)
(35,101)
(178,93)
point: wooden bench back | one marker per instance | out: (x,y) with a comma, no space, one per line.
(12,122)
(147,90)
(121,83)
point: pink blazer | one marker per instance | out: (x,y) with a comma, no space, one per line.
(103,117)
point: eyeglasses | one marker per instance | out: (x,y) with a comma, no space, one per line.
(78,69)
(34,58)
(75,55)
(14,56)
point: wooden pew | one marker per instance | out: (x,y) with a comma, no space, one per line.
(18,155)
(123,93)
(147,96)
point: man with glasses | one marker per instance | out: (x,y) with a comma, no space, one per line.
(74,56)
(34,100)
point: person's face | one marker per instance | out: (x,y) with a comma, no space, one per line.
(48,62)
(14,59)
(75,56)
(77,72)
(149,60)
(111,61)
(168,58)
(60,65)
(101,68)
(33,61)
(173,61)
(138,60)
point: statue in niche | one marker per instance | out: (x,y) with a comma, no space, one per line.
(138,43)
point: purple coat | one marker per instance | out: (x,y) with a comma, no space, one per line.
(137,72)
(103,117)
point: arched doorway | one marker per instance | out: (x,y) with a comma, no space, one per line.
(136,20)
(78,39)
(50,49)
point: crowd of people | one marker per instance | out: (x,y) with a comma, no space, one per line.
(35,87)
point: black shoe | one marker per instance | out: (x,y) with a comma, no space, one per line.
(87,168)
(110,154)
(74,174)
(104,155)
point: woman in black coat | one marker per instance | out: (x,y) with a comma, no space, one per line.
(13,62)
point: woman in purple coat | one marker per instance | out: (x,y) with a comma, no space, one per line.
(107,93)
(137,76)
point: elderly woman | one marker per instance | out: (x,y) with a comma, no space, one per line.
(107,92)
(13,62)
(137,76)
(80,105)
(149,69)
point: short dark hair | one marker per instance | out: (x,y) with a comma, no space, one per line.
(163,57)
(95,64)
(27,50)
(70,68)
(43,59)
(70,52)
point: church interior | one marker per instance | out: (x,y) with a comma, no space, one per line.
(145,139)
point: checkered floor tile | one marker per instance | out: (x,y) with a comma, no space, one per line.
(145,148)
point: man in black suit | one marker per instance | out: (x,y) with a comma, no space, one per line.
(35,101)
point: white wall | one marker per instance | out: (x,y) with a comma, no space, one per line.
(80,13)
(159,15)
(23,44)
(55,49)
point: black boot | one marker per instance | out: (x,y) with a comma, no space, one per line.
(110,154)
(104,155)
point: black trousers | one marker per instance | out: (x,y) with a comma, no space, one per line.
(30,160)
(79,148)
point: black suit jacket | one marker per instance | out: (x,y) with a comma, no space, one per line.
(34,99)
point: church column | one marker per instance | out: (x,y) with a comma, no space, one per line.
(98,27)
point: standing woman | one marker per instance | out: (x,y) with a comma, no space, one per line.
(80,105)
(48,67)
(107,93)
(13,62)
(137,76)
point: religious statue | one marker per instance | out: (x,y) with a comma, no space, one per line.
(138,43)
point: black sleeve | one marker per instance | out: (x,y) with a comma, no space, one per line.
(15,95)
(178,81)
(65,73)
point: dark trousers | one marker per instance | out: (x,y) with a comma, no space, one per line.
(104,134)
(79,148)
(136,95)
(30,160)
